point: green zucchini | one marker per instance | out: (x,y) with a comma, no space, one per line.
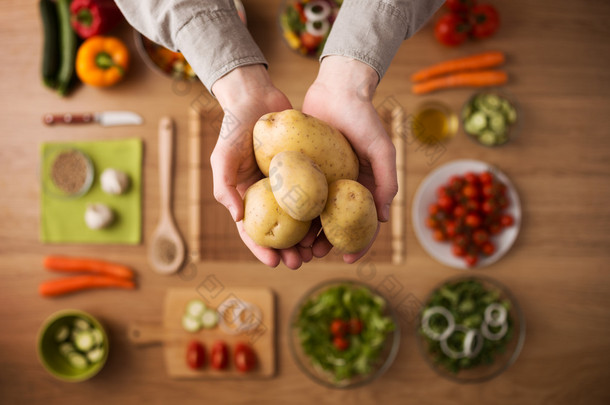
(50,48)
(83,340)
(488,117)
(77,360)
(67,40)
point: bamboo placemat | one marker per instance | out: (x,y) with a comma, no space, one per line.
(219,240)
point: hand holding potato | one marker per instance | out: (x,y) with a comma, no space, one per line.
(245,95)
(342,96)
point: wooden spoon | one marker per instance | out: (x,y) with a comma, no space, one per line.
(166,250)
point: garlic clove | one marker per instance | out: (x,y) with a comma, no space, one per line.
(114,181)
(98,216)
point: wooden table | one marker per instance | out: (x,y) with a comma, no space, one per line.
(558,57)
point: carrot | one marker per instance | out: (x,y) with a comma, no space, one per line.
(469,79)
(79,264)
(68,285)
(478,61)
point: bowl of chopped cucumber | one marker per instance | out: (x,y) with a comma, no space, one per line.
(72,345)
(490,118)
(470,329)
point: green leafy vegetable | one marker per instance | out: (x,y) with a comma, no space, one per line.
(344,302)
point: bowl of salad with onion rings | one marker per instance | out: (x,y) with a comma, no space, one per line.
(470,329)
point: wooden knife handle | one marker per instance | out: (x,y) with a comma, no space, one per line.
(68,118)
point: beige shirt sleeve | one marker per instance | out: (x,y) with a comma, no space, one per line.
(208,32)
(372,30)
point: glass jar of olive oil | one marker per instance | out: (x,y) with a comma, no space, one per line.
(433,122)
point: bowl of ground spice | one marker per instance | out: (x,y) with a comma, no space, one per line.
(67,172)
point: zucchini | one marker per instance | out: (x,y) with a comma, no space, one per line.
(66,348)
(191,324)
(195,308)
(81,324)
(488,118)
(77,360)
(62,334)
(83,340)
(50,48)
(209,319)
(95,355)
(67,40)
(98,338)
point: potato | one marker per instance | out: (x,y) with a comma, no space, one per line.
(298,184)
(349,219)
(292,130)
(266,223)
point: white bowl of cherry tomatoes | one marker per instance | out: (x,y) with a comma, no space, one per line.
(466,214)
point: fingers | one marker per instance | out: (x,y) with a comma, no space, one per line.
(267,256)
(383,163)
(321,247)
(224,177)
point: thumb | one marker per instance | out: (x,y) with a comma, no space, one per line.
(224,173)
(383,163)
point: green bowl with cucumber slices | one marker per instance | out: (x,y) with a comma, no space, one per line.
(490,118)
(72,345)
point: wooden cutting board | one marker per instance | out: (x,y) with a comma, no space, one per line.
(174,338)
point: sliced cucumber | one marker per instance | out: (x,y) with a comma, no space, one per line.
(190,323)
(83,340)
(62,334)
(195,308)
(497,123)
(209,319)
(77,360)
(488,117)
(95,355)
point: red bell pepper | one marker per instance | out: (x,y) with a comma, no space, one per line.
(93,17)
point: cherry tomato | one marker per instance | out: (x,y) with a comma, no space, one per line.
(471,178)
(471,259)
(480,237)
(485,20)
(310,41)
(488,249)
(456,183)
(488,190)
(451,29)
(473,206)
(460,240)
(433,209)
(340,343)
(506,220)
(495,228)
(219,357)
(195,355)
(244,357)
(486,178)
(470,191)
(460,6)
(432,222)
(439,235)
(355,326)
(489,206)
(338,327)
(459,211)
(445,203)
(458,251)
(443,191)
(473,220)
(450,228)
(503,201)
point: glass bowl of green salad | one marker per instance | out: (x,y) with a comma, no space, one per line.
(470,329)
(343,334)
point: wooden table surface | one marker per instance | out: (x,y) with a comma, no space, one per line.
(558,57)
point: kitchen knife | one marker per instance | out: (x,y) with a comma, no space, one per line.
(105,119)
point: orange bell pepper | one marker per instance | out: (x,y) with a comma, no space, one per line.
(102,61)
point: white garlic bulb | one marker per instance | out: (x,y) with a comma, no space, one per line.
(114,181)
(98,216)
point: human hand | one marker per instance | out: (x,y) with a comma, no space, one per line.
(246,94)
(342,96)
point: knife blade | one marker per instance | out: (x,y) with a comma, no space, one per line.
(105,118)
